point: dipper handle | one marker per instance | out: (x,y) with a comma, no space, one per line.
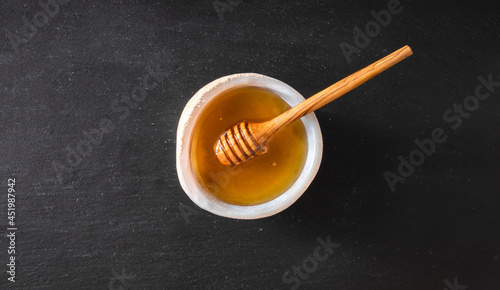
(245,141)
(262,131)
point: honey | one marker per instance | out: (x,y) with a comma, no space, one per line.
(265,177)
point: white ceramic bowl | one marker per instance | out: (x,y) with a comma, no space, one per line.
(185,130)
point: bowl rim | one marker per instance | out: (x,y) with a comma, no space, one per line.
(185,130)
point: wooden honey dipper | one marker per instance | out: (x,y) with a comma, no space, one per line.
(245,141)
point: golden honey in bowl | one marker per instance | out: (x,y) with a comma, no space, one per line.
(263,178)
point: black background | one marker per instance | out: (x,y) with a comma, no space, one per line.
(120,220)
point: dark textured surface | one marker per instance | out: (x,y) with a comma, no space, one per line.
(117,220)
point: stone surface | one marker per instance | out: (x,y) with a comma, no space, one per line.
(119,73)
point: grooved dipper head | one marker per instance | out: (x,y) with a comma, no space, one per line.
(237,145)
